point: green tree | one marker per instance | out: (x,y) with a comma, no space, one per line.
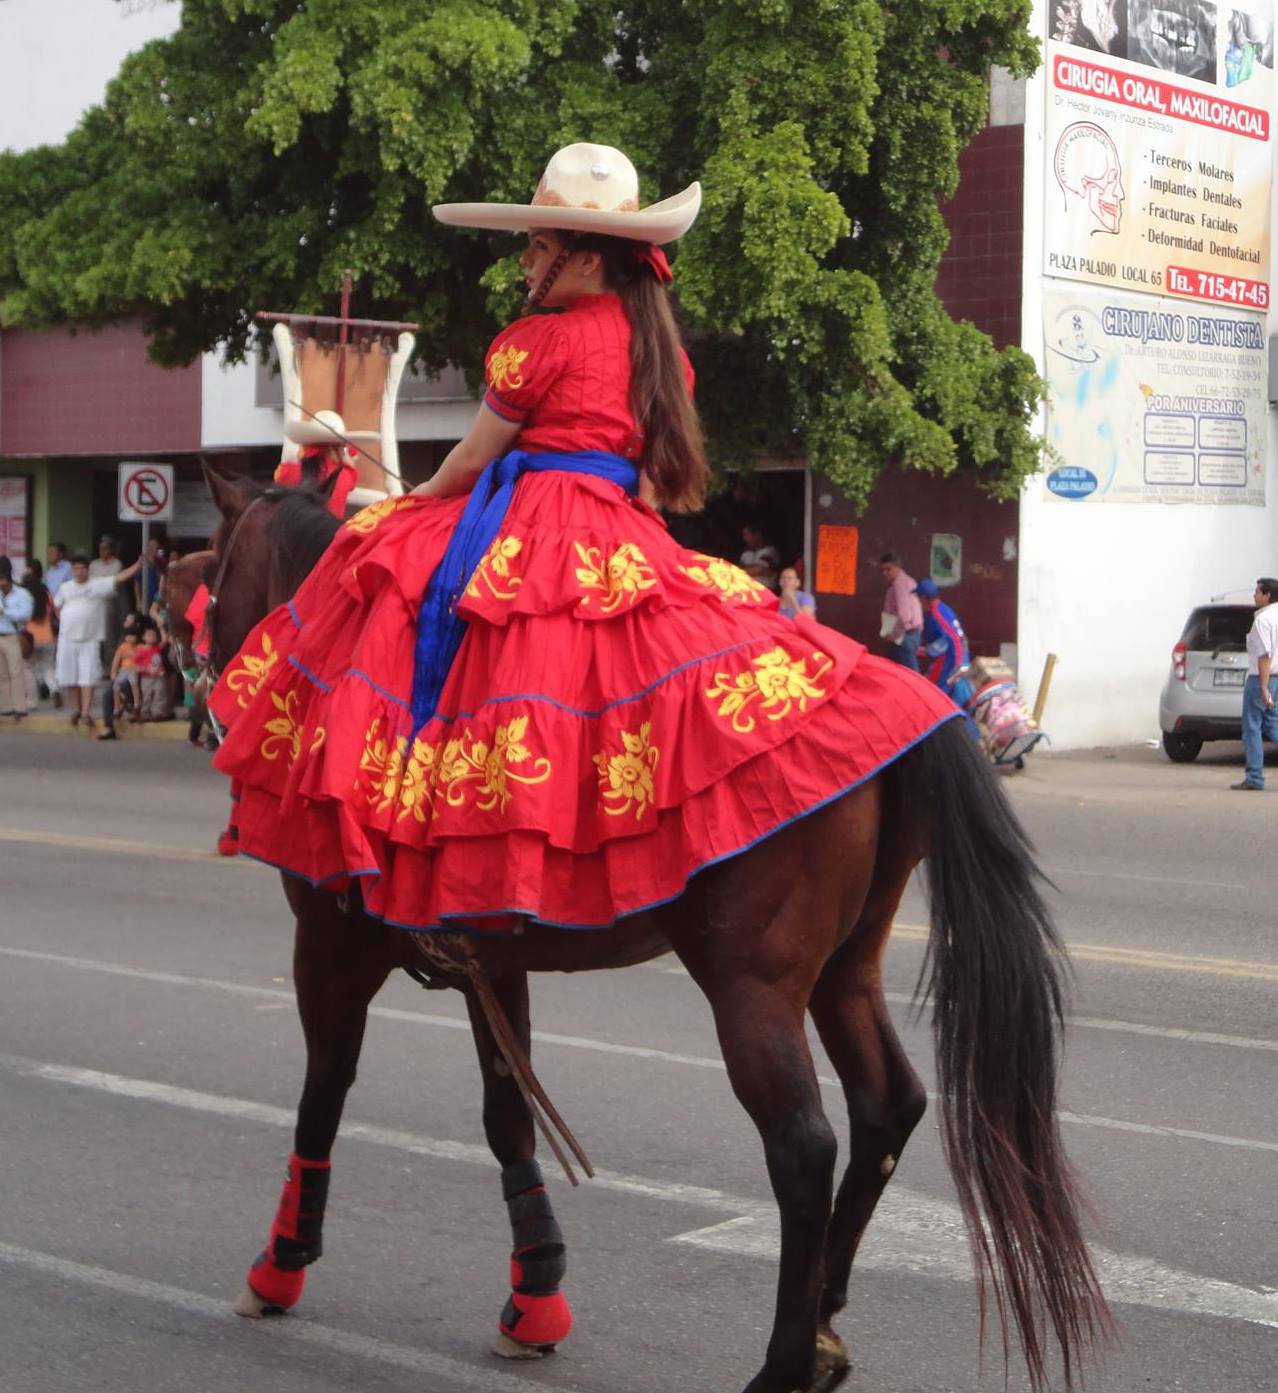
(245,161)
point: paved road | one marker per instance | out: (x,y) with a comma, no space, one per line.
(150,1059)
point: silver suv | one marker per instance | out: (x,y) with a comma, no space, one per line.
(1202,697)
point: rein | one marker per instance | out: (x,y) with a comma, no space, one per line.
(206,625)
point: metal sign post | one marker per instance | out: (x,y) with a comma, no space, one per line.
(146,496)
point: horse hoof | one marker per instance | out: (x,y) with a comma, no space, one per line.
(832,1362)
(506,1348)
(249,1304)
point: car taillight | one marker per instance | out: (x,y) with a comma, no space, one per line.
(1178,661)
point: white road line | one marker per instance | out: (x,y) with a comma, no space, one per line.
(295,1328)
(911,1232)
(943,1252)
(1160,1032)
(580,1042)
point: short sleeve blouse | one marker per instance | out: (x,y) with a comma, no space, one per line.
(565,378)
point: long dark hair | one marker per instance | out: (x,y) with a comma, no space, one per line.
(674,452)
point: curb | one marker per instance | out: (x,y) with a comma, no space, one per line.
(42,723)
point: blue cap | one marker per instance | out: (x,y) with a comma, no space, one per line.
(928,587)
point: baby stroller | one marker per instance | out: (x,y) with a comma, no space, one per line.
(987,691)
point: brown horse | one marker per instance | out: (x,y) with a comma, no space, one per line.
(795,925)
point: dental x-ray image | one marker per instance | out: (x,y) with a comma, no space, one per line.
(1100,25)
(1178,36)
(1249,45)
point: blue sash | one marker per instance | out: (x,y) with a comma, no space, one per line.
(439,627)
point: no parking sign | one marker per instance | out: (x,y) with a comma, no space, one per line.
(146,492)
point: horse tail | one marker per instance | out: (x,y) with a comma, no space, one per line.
(993,967)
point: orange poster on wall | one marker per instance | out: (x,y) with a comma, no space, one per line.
(836,560)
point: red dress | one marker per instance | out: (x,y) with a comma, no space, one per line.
(621,712)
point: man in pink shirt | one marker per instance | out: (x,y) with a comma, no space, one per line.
(903,605)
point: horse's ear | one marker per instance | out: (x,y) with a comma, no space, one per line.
(227,494)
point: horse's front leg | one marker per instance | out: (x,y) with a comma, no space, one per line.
(536,1316)
(339,963)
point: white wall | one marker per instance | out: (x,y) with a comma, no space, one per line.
(229,416)
(1107,588)
(57,56)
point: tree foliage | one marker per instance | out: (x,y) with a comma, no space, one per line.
(245,161)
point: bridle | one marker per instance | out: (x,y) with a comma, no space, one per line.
(211,672)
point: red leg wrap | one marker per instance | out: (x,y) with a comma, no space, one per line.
(536,1320)
(228,844)
(537,1312)
(279,1272)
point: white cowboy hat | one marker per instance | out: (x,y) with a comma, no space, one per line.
(586,188)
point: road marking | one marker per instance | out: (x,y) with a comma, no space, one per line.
(1154,959)
(911,1232)
(1143,957)
(298,1329)
(582,1042)
(941,1250)
(154,851)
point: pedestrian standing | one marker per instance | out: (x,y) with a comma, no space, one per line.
(40,678)
(794,601)
(154,678)
(760,558)
(1260,691)
(901,604)
(57,567)
(82,604)
(16,605)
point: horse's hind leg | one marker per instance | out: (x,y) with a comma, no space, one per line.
(884,1096)
(536,1316)
(338,965)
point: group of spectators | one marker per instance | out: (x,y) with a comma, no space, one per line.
(762,560)
(80,625)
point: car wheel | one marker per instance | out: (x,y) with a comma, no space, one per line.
(1181,749)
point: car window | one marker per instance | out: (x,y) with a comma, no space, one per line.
(1224,629)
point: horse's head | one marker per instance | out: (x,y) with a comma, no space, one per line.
(271,535)
(183,578)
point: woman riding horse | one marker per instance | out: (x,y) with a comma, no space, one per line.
(509,704)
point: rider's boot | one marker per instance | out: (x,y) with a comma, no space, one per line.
(279,1272)
(536,1317)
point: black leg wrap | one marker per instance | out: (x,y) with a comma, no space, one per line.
(292,1254)
(520,1176)
(538,1240)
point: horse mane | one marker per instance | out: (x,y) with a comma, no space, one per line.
(299,529)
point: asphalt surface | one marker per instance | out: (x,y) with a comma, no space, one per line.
(150,1060)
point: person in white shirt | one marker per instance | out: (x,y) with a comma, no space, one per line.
(1260,692)
(760,559)
(82,603)
(16,605)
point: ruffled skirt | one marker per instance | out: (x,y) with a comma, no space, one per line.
(622,712)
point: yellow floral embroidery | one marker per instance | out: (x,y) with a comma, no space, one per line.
(625,779)
(495,570)
(779,682)
(621,577)
(408,780)
(370,518)
(248,671)
(383,761)
(730,581)
(317,739)
(504,368)
(417,790)
(467,761)
(284,732)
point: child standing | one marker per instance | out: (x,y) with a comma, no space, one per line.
(150,656)
(124,677)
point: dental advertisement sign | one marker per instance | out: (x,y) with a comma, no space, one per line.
(1152,399)
(1158,146)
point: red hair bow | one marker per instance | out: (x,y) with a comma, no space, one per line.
(652,255)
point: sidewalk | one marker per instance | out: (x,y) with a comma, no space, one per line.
(1137,775)
(45,719)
